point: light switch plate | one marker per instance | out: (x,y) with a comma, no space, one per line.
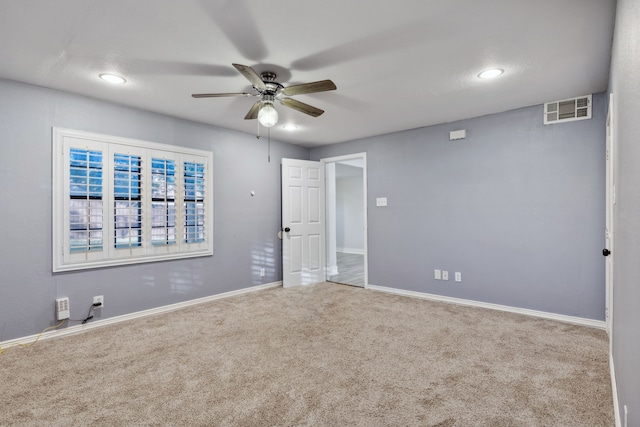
(381,201)
(437,274)
(445,275)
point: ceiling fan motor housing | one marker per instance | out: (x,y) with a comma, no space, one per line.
(268,76)
(272,88)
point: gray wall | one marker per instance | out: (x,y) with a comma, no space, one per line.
(517,207)
(245,227)
(349,213)
(625,87)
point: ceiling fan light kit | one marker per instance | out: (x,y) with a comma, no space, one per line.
(269,90)
(268,115)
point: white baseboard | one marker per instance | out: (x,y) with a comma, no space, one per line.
(76,329)
(350,251)
(614,389)
(599,324)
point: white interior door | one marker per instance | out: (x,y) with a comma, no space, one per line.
(303,222)
(610,205)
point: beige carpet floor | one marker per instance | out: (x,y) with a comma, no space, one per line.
(324,355)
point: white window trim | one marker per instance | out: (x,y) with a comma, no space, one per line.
(62,141)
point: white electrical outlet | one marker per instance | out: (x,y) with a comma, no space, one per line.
(262,272)
(445,275)
(458,276)
(437,274)
(62,308)
(99,299)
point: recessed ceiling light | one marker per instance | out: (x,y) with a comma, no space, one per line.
(289,127)
(112,78)
(490,74)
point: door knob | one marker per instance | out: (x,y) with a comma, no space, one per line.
(287,229)
(606,252)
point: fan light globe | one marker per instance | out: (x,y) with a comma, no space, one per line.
(268,116)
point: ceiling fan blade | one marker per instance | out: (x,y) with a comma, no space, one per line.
(253,112)
(251,75)
(219,95)
(321,86)
(301,106)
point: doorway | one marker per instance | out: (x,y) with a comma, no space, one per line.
(346,219)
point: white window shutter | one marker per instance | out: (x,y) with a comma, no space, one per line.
(121,201)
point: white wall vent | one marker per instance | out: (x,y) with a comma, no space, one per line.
(457,134)
(567,110)
(62,308)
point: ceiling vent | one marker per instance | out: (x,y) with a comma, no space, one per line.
(567,110)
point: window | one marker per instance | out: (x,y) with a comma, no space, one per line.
(85,200)
(127,195)
(193,202)
(163,205)
(122,201)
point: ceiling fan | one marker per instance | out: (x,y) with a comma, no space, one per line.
(269,90)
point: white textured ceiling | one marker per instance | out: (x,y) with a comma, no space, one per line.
(398,64)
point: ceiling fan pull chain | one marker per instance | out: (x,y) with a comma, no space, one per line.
(269,145)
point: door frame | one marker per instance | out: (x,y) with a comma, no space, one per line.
(336,159)
(610,202)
